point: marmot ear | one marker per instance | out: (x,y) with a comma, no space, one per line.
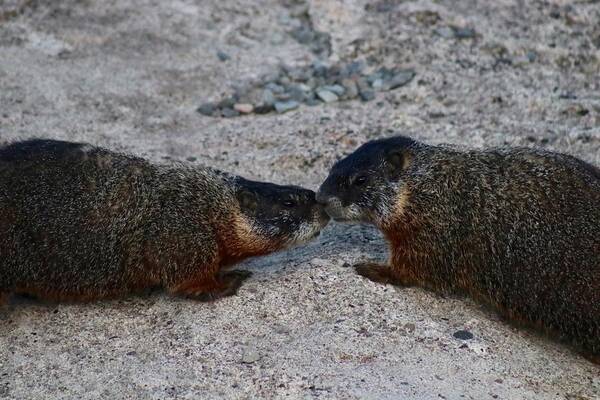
(397,160)
(247,200)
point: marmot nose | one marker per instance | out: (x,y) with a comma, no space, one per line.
(323,198)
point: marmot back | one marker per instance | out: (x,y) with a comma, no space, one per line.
(517,228)
(79,222)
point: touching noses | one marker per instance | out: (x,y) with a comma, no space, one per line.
(323,198)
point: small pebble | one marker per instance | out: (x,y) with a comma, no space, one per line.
(206,109)
(250,356)
(354,68)
(243,108)
(401,79)
(227,102)
(375,76)
(304,87)
(463,335)
(377,84)
(445,31)
(336,89)
(319,68)
(520,61)
(274,88)
(532,56)
(223,56)
(268,98)
(285,106)
(229,113)
(298,74)
(297,93)
(327,96)
(464,33)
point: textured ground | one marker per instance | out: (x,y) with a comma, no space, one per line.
(130,74)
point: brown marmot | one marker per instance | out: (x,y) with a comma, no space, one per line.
(517,228)
(79,222)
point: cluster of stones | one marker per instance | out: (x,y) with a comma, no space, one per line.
(311,85)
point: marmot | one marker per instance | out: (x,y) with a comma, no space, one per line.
(517,228)
(79,222)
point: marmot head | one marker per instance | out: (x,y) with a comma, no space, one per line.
(280,215)
(366,185)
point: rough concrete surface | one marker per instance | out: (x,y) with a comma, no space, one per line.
(129,75)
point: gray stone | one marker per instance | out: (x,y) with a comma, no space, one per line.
(227,102)
(320,68)
(401,79)
(336,89)
(268,97)
(464,33)
(304,87)
(223,56)
(327,96)
(445,31)
(298,74)
(285,106)
(377,84)
(354,68)
(520,61)
(374,76)
(207,109)
(531,55)
(250,356)
(274,88)
(463,335)
(297,93)
(229,112)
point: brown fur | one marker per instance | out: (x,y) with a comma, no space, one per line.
(79,223)
(515,228)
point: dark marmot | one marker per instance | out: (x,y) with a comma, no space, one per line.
(517,228)
(79,222)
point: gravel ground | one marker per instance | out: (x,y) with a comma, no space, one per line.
(130,75)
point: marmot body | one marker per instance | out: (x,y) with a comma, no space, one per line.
(78,222)
(517,228)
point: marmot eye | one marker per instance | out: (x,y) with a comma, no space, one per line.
(360,180)
(289,203)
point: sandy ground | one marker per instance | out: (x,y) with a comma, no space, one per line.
(130,74)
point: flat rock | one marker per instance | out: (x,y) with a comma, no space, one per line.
(327,96)
(401,79)
(207,109)
(463,335)
(285,106)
